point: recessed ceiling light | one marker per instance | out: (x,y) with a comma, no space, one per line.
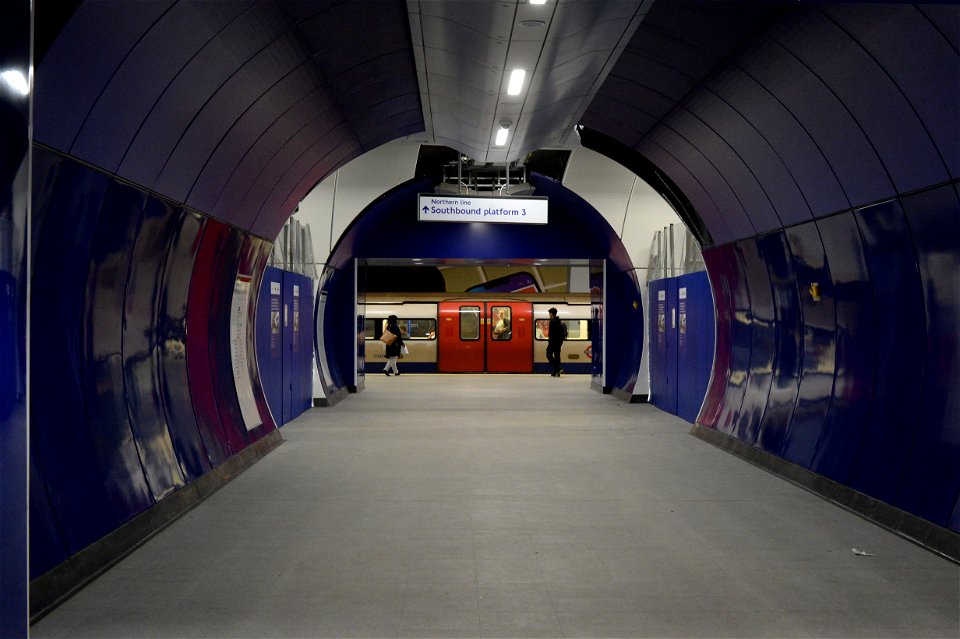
(501,137)
(538,1)
(515,84)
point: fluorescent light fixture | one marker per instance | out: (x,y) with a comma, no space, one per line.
(16,81)
(501,137)
(516,81)
(538,1)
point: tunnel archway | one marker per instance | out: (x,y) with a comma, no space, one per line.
(388,228)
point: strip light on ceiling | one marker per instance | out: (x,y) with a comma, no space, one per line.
(501,136)
(515,85)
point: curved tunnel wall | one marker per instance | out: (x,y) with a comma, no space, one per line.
(133,394)
(388,228)
(821,153)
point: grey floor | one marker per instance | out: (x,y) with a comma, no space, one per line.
(511,506)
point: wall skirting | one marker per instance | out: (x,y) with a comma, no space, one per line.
(937,539)
(57,585)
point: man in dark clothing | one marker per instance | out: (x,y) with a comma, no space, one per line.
(556,333)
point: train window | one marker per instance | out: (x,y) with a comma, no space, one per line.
(418,328)
(577,329)
(469,322)
(501,320)
(369,327)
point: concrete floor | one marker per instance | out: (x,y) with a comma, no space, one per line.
(511,506)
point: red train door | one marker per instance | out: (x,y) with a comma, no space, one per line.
(485,336)
(461,347)
(509,337)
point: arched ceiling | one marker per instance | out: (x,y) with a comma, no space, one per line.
(763,114)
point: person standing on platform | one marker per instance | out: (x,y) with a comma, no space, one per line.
(392,350)
(556,333)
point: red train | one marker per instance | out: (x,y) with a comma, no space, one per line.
(477,335)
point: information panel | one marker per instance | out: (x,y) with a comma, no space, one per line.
(478,208)
(238,352)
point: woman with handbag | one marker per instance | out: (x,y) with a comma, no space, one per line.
(391,337)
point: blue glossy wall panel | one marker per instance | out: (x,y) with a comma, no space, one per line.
(931,480)
(695,338)
(304,400)
(269,340)
(172,337)
(788,345)
(140,355)
(60,440)
(286,326)
(663,383)
(15,54)
(895,286)
(763,332)
(856,348)
(118,449)
(819,344)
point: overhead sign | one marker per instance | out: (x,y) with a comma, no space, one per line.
(477,208)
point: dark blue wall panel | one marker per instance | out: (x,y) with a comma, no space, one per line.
(140,352)
(60,440)
(719,261)
(856,348)
(895,286)
(117,447)
(269,340)
(763,332)
(788,344)
(663,391)
(172,337)
(931,480)
(695,337)
(15,54)
(819,343)
(288,378)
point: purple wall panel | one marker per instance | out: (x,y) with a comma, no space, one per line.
(249,127)
(151,65)
(762,342)
(924,73)
(118,447)
(57,121)
(856,348)
(691,188)
(932,476)
(221,112)
(788,345)
(895,284)
(750,194)
(194,86)
(272,217)
(140,349)
(261,154)
(800,154)
(278,180)
(819,332)
(825,119)
(172,336)
(872,100)
(729,205)
(765,163)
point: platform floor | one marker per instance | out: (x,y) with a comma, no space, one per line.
(511,506)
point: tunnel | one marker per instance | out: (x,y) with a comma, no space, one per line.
(153,151)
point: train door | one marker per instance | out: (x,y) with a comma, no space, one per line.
(476,337)
(509,337)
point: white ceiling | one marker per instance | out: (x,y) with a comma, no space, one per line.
(465,50)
